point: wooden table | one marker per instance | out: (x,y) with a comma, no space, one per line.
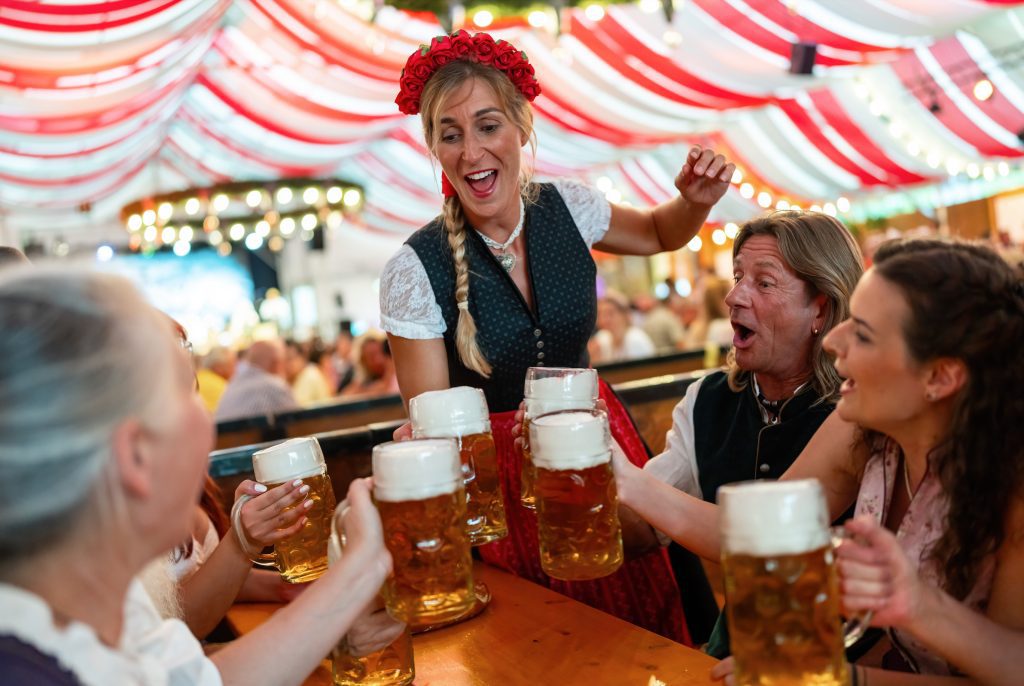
(532,636)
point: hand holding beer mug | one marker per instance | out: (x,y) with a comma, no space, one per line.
(547,390)
(781,587)
(377,650)
(417,485)
(461,413)
(302,556)
(577,504)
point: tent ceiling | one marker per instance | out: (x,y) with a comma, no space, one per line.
(101,104)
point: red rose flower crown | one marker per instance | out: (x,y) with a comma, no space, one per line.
(481,48)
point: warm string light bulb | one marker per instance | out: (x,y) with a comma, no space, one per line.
(245,210)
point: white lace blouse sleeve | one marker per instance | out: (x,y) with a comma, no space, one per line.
(677,466)
(407,304)
(588,207)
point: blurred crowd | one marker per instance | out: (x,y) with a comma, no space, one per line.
(277,375)
(644,326)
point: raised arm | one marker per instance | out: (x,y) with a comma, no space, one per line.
(701,183)
(833,456)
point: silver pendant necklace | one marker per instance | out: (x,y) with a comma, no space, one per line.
(506,259)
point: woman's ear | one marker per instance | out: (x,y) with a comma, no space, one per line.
(945,376)
(128,445)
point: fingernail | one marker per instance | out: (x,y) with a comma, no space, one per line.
(297,482)
(304,489)
(308,504)
(259,488)
(699,170)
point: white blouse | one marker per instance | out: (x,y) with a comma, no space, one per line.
(408,307)
(153,651)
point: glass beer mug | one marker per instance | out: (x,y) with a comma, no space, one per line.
(302,556)
(354,661)
(547,390)
(781,587)
(417,486)
(461,413)
(577,504)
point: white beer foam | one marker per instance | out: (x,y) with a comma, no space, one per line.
(575,385)
(773,517)
(451,413)
(570,440)
(559,393)
(296,458)
(416,470)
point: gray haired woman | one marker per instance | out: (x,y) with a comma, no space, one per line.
(103,447)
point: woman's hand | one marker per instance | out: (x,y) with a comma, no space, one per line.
(876,575)
(362,529)
(704,177)
(275,514)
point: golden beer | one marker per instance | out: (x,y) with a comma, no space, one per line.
(577,504)
(392,666)
(781,587)
(461,413)
(547,390)
(302,556)
(578,522)
(784,622)
(422,504)
(485,505)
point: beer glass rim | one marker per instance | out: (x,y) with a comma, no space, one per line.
(435,414)
(290,446)
(539,374)
(417,481)
(773,517)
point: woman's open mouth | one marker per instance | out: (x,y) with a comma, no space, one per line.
(482,183)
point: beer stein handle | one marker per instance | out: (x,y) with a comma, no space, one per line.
(854,627)
(469,467)
(254,552)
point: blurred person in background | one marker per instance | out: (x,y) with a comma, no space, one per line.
(712,324)
(375,369)
(660,324)
(215,370)
(303,372)
(617,339)
(341,360)
(258,387)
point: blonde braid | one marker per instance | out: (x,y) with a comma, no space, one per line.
(465,332)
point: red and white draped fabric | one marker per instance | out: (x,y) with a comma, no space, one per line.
(103,103)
